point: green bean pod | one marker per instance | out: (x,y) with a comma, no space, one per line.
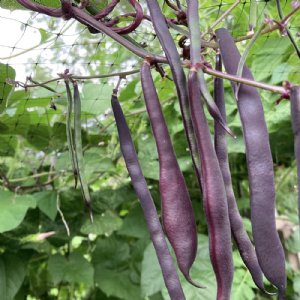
(69,131)
(78,150)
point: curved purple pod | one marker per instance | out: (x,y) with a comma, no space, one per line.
(177,211)
(295,114)
(140,185)
(107,10)
(169,47)
(214,195)
(239,233)
(268,247)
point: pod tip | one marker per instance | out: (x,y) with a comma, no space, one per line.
(192,282)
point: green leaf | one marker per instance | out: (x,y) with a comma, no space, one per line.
(296,285)
(128,92)
(134,224)
(242,285)
(46,202)
(111,252)
(104,224)
(116,283)
(13,209)
(74,269)
(152,281)
(292,244)
(6,90)
(151,276)
(12,274)
(148,157)
(96,98)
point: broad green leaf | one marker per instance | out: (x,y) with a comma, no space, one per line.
(129,91)
(13,209)
(96,98)
(12,274)
(148,157)
(242,285)
(8,145)
(116,283)
(104,224)
(296,285)
(96,162)
(111,252)
(151,277)
(292,244)
(74,269)
(134,224)
(46,202)
(108,198)
(152,281)
(6,90)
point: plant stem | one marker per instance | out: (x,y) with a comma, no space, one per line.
(257,84)
(280,13)
(225,14)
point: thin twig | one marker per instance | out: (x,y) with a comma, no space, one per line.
(257,84)
(62,215)
(225,14)
(280,13)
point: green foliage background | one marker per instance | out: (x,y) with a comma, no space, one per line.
(113,258)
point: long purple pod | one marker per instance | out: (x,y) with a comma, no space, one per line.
(240,236)
(215,202)
(177,211)
(295,114)
(169,47)
(140,185)
(268,247)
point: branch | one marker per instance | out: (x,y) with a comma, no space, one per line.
(257,84)
(280,13)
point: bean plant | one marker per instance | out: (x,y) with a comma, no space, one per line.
(183,220)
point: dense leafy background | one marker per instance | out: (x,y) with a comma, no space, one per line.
(113,258)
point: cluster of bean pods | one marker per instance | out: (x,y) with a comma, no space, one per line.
(265,256)
(75,142)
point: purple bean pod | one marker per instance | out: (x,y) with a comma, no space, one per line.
(169,47)
(268,247)
(177,211)
(107,10)
(295,115)
(240,236)
(139,14)
(140,185)
(214,195)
